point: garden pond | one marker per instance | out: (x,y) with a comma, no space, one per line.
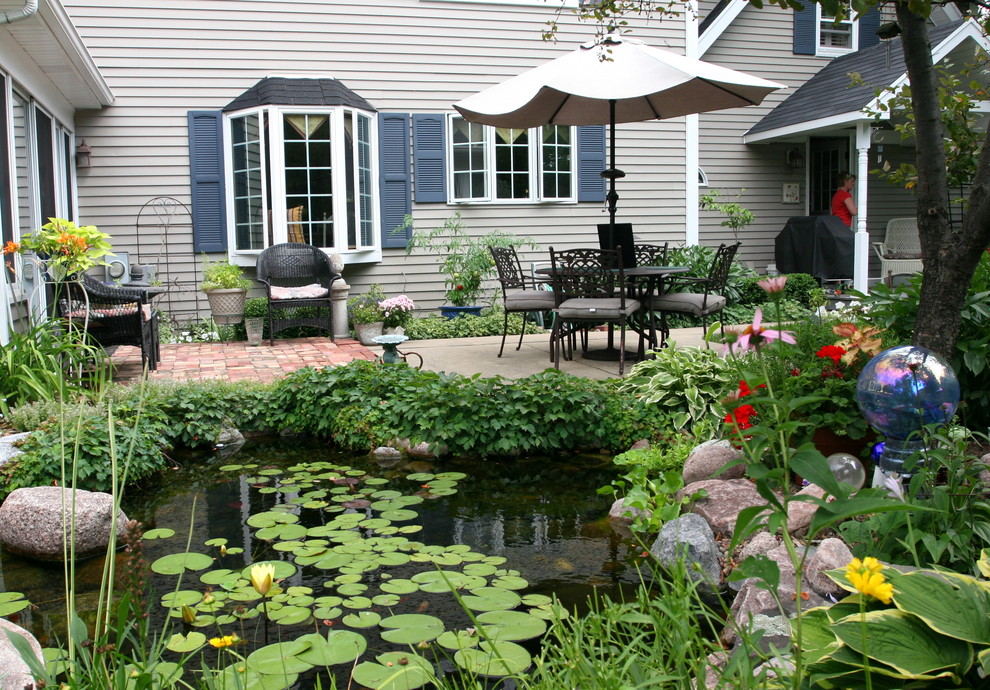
(365,550)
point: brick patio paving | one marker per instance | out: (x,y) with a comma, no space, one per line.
(237,361)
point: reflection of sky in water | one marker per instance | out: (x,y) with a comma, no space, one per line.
(905,388)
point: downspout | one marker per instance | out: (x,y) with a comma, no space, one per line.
(10,16)
(691,146)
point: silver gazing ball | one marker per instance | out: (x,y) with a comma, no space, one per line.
(847,468)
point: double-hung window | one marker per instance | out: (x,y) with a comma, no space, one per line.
(836,37)
(504,165)
(303,175)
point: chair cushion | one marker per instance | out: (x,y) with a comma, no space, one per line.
(688,302)
(592,307)
(528,300)
(902,255)
(312,291)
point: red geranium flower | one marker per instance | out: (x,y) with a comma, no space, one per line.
(833,352)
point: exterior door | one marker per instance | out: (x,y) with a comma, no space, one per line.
(829,157)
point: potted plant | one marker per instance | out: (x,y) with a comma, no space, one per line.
(226,289)
(366,314)
(465,260)
(397,311)
(65,248)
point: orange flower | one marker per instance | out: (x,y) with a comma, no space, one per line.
(11,247)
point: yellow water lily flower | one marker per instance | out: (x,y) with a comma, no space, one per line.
(188,615)
(262,577)
(225,641)
(866,577)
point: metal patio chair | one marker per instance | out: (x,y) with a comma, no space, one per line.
(521,294)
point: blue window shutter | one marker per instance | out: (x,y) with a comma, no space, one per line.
(805,31)
(209,207)
(393,166)
(428,155)
(591,162)
(868,25)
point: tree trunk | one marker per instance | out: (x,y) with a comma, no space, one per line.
(950,253)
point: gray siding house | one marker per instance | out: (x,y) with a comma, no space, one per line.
(328,121)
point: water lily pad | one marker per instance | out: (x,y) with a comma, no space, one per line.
(184,597)
(510,583)
(281,531)
(491,599)
(386,599)
(536,600)
(411,628)
(361,619)
(327,612)
(357,603)
(374,523)
(511,625)
(338,647)
(393,558)
(394,671)
(444,580)
(239,676)
(399,586)
(230,468)
(410,529)
(480,569)
(462,639)
(333,561)
(271,517)
(550,612)
(279,658)
(159,533)
(186,643)
(453,476)
(352,589)
(398,515)
(290,615)
(176,563)
(386,494)
(420,477)
(495,659)
(347,579)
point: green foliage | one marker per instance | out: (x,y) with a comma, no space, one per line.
(687,383)
(223,275)
(669,452)
(488,323)
(737,217)
(34,366)
(896,310)
(653,498)
(464,259)
(698,259)
(932,634)
(66,247)
(84,435)
(196,411)
(365,308)
(950,520)
(800,288)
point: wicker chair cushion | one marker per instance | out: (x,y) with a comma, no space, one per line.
(901,255)
(99,313)
(311,291)
(688,302)
(592,307)
(528,300)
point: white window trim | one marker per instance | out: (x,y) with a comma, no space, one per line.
(552,4)
(831,51)
(276,161)
(535,169)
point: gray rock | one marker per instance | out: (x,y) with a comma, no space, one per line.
(641,444)
(31,522)
(761,543)
(386,453)
(620,513)
(8,451)
(832,553)
(799,513)
(690,537)
(229,436)
(706,460)
(725,499)
(15,674)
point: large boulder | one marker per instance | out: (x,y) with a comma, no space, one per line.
(31,522)
(689,537)
(831,554)
(707,460)
(724,502)
(15,674)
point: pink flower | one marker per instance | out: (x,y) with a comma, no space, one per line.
(773,285)
(755,335)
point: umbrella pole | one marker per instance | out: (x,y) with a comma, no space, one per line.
(612,174)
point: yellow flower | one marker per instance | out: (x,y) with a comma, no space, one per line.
(225,641)
(188,614)
(262,576)
(866,577)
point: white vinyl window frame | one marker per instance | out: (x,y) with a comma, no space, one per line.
(827,31)
(364,244)
(489,193)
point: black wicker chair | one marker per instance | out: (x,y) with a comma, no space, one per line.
(297,276)
(111,315)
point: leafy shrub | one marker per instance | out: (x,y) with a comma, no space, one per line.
(799,288)
(670,452)
(197,411)
(489,323)
(84,434)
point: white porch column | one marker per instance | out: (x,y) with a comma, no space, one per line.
(861,263)
(691,153)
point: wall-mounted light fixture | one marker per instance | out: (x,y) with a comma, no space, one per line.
(794,158)
(84,156)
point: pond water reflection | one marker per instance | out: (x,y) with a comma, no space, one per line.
(542,515)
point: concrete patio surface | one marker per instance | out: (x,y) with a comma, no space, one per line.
(237,361)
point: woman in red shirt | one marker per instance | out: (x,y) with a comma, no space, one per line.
(842,203)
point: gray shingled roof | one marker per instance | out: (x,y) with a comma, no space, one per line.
(829,93)
(298,91)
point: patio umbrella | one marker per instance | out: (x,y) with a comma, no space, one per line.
(616,79)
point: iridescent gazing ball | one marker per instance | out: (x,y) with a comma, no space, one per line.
(905,388)
(847,468)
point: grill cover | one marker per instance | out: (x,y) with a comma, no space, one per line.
(821,246)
